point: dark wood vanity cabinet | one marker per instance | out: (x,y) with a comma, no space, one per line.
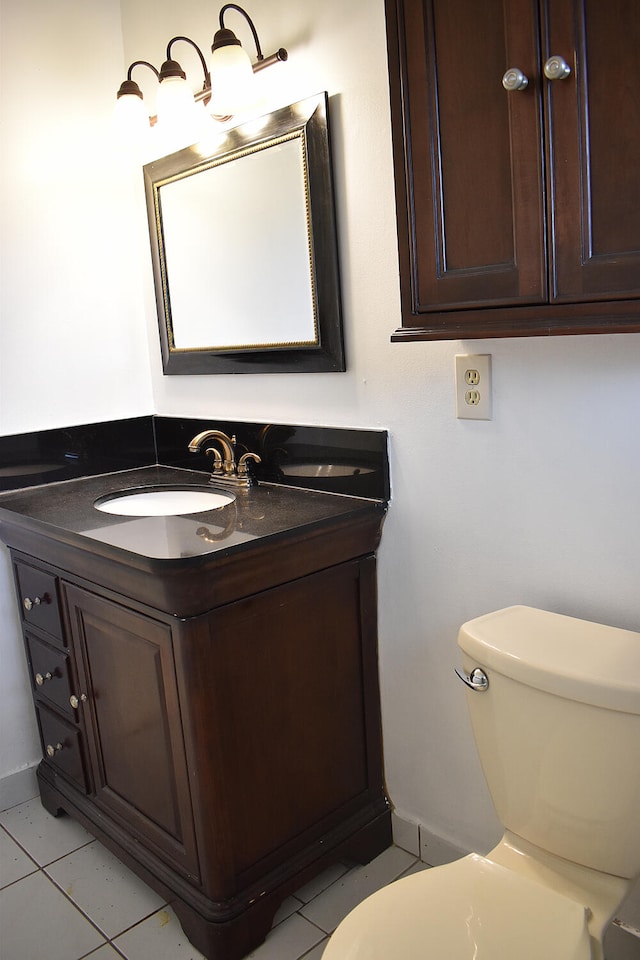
(518,210)
(228,756)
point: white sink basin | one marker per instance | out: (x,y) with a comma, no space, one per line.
(163,501)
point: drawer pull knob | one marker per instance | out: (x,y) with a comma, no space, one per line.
(29,603)
(41,678)
(514,79)
(51,750)
(556,68)
(76,701)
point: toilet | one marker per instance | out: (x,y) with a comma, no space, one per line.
(554,704)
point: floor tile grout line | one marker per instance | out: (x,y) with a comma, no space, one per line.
(325,933)
(314,947)
(23,848)
(75,906)
(7,886)
(132,926)
(87,956)
(108,938)
(41,866)
(20,803)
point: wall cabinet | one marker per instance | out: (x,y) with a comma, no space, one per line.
(229,756)
(518,209)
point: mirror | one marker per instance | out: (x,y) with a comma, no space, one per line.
(244,249)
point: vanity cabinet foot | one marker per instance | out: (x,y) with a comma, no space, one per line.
(234,938)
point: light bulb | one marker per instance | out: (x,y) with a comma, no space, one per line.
(175,104)
(131,118)
(233,84)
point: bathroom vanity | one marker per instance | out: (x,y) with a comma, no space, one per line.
(206,688)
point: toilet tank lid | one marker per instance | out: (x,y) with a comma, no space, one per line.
(562,655)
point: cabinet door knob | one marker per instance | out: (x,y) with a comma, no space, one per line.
(51,750)
(556,68)
(41,678)
(76,701)
(514,79)
(29,603)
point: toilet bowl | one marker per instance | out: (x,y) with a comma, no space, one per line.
(472,908)
(554,704)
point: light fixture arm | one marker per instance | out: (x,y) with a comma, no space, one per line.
(129,86)
(225,36)
(207,76)
(141,63)
(235,6)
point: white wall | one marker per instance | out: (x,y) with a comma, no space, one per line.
(73,347)
(540,505)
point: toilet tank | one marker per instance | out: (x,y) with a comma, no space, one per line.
(558,732)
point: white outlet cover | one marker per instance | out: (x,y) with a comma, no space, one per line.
(480,409)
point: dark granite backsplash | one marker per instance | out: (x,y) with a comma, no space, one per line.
(66,453)
(331,459)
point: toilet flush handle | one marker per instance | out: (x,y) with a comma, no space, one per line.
(477,679)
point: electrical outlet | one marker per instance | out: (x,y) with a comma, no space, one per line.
(473,386)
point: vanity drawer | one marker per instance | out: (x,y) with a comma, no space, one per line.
(38,597)
(50,674)
(62,746)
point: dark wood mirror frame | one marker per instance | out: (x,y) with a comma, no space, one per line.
(307,119)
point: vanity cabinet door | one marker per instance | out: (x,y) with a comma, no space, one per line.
(134,731)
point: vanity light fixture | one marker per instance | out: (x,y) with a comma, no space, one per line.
(130,112)
(227,87)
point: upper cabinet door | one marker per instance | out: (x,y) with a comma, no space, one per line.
(593,118)
(518,203)
(469,161)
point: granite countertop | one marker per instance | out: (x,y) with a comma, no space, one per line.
(65,512)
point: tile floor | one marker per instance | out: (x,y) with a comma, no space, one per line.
(63,896)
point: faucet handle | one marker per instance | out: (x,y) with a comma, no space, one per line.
(242,463)
(217,459)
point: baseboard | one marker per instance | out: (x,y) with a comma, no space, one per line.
(18,787)
(435,851)
(415,838)
(620,942)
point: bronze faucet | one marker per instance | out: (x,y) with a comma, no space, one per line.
(225,470)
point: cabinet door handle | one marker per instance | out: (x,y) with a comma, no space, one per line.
(51,750)
(556,68)
(41,678)
(30,603)
(76,701)
(515,79)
